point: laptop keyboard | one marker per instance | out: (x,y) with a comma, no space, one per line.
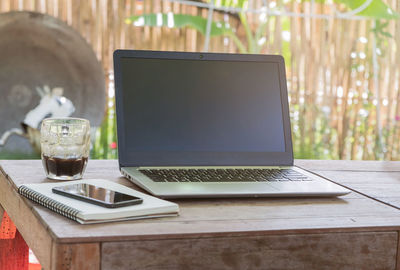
(224,175)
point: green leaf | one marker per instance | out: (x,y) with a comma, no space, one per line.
(379,29)
(179,21)
(386,34)
(377,9)
(230,3)
(182,20)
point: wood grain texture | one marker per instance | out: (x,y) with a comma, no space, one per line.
(347,165)
(31,171)
(290,229)
(210,217)
(374,184)
(379,180)
(316,251)
(230,217)
(76,257)
(381,186)
(398,252)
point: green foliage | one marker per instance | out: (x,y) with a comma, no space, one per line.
(377,9)
(380,30)
(182,20)
(286,43)
(19,155)
(178,21)
(230,3)
(105,144)
(324,139)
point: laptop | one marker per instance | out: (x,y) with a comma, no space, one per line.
(208,125)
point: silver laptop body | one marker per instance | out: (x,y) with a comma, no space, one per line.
(208,125)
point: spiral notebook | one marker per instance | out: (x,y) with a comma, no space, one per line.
(87,213)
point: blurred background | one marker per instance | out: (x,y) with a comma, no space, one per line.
(341,62)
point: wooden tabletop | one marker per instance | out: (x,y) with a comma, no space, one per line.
(379,180)
(370,213)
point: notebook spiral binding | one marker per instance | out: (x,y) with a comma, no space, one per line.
(53,205)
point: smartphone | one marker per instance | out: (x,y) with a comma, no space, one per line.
(97,195)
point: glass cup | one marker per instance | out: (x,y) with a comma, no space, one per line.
(65,144)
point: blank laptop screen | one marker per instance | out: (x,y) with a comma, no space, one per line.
(212,106)
(201,109)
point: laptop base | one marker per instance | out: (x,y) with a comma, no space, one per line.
(318,187)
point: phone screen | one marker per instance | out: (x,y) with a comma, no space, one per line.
(97,195)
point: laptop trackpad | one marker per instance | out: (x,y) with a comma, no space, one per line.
(222,188)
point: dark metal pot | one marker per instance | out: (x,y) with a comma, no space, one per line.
(38,49)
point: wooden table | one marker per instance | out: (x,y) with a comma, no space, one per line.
(356,231)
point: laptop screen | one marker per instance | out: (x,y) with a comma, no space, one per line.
(199,109)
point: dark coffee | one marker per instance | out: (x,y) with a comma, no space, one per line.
(64,166)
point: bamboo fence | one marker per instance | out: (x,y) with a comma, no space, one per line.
(334,101)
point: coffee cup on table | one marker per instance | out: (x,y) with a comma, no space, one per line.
(65,146)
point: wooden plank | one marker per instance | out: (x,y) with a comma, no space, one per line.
(398,253)
(224,217)
(31,171)
(373,184)
(76,257)
(157,231)
(316,251)
(29,225)
(212,217)
(235,216)
(347,165)
(376,178)
(382,186)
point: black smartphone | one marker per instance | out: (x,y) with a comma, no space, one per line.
(97,195)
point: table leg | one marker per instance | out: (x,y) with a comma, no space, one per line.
(14,252)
